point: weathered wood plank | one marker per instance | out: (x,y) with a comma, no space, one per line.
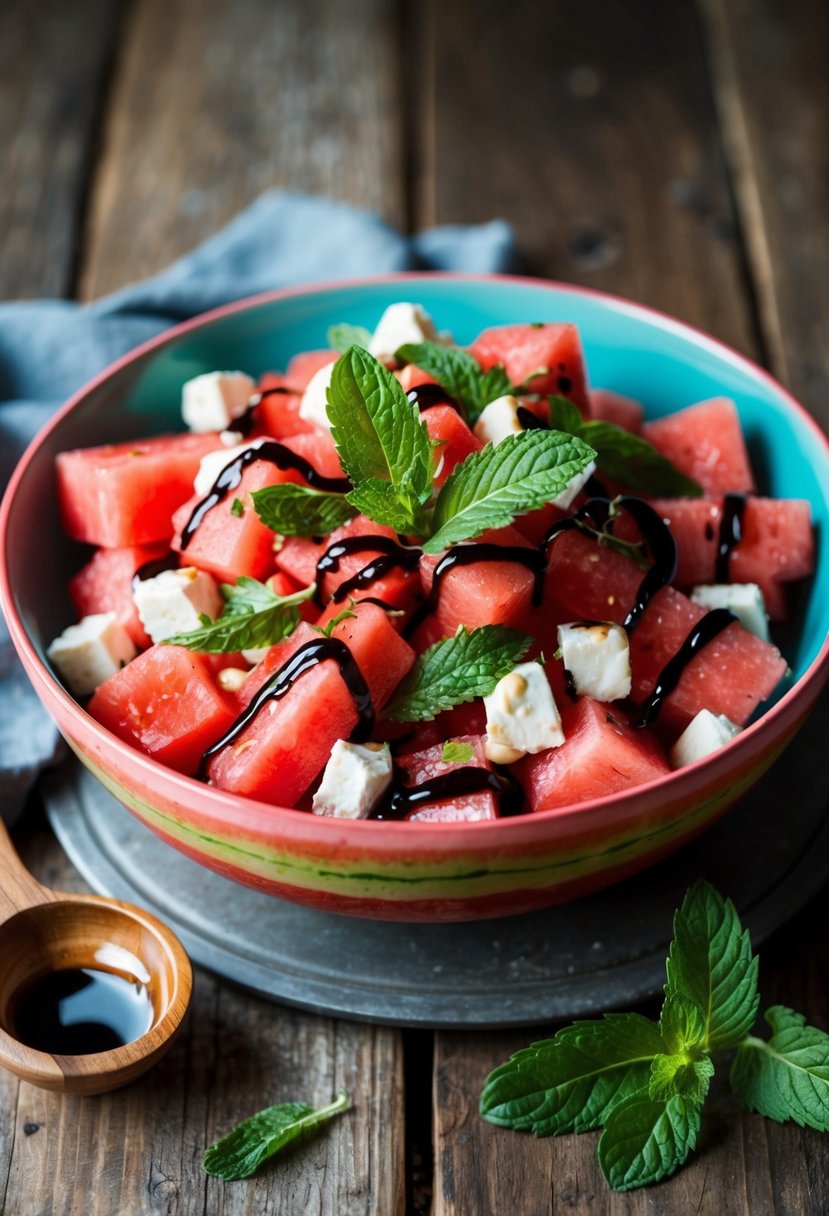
(770,66)
(138,1151)
(591,128)
(744,1164)
(53,64)
(217,102)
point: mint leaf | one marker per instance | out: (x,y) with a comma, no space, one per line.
(459,374)
(253,618)
(378,432)
(711,964)
(380,502)
(240,1153)
(455,670)
(627,458)
(342,336)
(646,1140)
(346,614)
(457,753)
(682,1023)
(786,1077)
(237,508)
(680,1074)
(570,1083)
(494,485)
(296,510)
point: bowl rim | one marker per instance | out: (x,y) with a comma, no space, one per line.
(219,802)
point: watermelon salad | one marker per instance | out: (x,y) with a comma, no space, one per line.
(405,580)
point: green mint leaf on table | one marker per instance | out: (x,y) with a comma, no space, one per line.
(645,1139)
(682,1023)
(626,458)
(379,436)
(787,1076)
(253,617)
(680,1074)
(295,510)
(571,1082)
(711,964)
(342,336)
(241,1152)
(459,374)
(456,670)
(457,753)
(494,485)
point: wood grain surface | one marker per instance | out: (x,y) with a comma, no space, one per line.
(675,153)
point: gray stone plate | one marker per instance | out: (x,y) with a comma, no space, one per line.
(770,854)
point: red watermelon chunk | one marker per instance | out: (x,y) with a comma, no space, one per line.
(278,415)
(284,748)
(608,406)
(306,364)
(777,544)
(601,755)
(456,440)
(123,494)
(731,675)
(104,584)
(166,703)
(705,441)
(419,767)
(525,349)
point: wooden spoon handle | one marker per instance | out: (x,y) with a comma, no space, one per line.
(18,890)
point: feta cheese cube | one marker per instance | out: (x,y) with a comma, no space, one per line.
(211,465)
(255,656)
(400,324)
(175,600)
(704,734)
(356,777)
(90,652)
(566,497)
(314,404)
(745,600)
(597,655)
(498,420)
(211,402)
(521,715)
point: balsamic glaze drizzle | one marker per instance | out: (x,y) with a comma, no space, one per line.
(404,799)
(705,630)
(282,681)
(231,475)
(468,555)
(155,567)
(530,421)
(730,534)
(425,396)
(396,556)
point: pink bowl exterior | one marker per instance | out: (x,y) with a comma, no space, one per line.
(434,872)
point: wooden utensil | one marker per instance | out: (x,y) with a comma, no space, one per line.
(43,931)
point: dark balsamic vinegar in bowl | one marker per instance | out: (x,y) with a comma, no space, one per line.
(81,1011)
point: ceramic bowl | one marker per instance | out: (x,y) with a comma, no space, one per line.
(424,871)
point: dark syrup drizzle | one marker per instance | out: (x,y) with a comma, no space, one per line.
(425,396)
(394,556)
(530,421)
(155,567)
(282,681)
(730,534)
(468,555)
(231,475)
(702,633)
(404,799)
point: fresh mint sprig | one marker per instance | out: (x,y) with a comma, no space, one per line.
(456,670)
(623,456)
(242,1151)
(253,617)
(295,510)
(644,1083)
(459,374)
(342,336)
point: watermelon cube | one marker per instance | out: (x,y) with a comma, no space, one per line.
(418,768)
(166,703)
(705,441)
(601,755)
(104,584)
(124,494)
(526,349)
(456,440)
(608,406)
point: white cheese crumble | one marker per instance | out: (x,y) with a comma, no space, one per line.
(175,600)
(745,600)
(521,715)
(704,734)
(90,652)
(597,655)
(314,404)
(574,488)
(498,420)
(356,777)
(399,325)
(212,401)
(211,464)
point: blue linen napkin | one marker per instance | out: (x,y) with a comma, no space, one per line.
(49,348)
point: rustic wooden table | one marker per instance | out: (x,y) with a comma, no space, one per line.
(677,153)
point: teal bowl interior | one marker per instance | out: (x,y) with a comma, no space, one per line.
(661,362)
